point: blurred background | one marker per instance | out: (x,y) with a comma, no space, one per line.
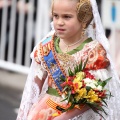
(22,24)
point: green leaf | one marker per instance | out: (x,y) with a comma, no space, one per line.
(64,99)
(82,101)
(110,95)
(76,69)
(103,83)
(65,88)
(62,79)
(88,88)
(104,102)
(71,107)
(80,66)
(85,64)
(69,95)
(70,72)
(96,109)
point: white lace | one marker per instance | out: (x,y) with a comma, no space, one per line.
(114,84)
(88,115)
(31,91)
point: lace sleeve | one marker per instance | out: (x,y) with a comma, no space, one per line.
(32,89)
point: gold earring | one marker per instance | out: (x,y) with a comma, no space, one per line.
(83,31)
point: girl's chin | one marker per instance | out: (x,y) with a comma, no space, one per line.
(62,36)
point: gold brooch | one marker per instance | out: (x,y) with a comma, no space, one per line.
(65,58)
(46,49)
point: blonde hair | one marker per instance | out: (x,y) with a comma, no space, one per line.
(84,11)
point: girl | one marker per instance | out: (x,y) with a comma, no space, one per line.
(65,47)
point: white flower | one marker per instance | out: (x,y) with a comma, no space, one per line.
(92,85)
(90,82)
(87,80)
(99,87)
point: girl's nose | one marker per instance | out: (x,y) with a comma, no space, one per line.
(60,22)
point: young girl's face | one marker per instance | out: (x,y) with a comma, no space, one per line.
(65,19)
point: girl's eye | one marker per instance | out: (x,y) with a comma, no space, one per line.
(67,17)
(55,16)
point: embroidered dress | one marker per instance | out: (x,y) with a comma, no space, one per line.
(97,64)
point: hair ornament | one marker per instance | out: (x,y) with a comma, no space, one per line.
(84,11)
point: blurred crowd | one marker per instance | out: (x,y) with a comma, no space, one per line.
(21,6)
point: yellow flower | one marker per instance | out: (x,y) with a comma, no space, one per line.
(77,84)
(80,75)
(81,94)
(92,97)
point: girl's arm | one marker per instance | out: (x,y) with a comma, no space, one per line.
(39,81)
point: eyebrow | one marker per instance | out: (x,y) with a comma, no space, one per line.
(63,14)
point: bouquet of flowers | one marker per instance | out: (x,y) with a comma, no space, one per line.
(82,88)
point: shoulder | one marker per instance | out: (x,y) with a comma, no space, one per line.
(97,49)
(96,44)
(97,56)
(42,47)
(35,52)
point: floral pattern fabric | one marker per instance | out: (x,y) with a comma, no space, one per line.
(96,60)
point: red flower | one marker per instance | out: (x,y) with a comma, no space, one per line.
(70,83)
(83,84)
(89,75)
(76,85)
(73,92)
(70,78)
(102,94)
(63,84)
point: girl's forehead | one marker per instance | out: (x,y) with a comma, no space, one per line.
(67,5)
(65,1)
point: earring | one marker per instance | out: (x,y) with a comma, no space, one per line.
(83,32)
(83,29)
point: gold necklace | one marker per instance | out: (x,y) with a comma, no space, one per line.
(71,44)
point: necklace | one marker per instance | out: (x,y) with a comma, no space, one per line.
(71,44)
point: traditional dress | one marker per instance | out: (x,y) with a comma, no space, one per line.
(97,64)
(37,96)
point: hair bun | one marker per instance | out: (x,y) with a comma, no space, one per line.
(84,11)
